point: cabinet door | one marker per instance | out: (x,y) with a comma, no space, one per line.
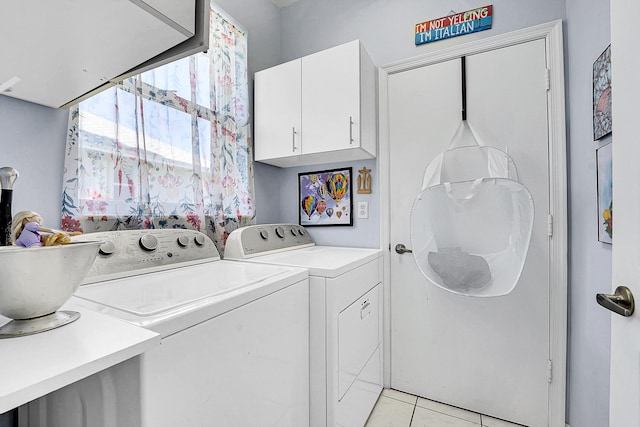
(331,99)
(70,47)
(174,13)
(277,111)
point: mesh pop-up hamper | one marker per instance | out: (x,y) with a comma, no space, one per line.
(472,222)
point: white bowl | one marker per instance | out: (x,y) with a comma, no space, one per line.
(37,281)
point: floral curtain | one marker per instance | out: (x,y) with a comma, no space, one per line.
(169,148)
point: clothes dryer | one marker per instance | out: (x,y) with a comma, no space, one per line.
(345,306)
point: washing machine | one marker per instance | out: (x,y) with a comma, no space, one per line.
(345,306)
(234,339)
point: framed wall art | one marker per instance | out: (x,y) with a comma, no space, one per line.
(605,198)
(324,198)
(602,95)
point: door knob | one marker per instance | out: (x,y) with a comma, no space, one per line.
(402,249)
(621,302)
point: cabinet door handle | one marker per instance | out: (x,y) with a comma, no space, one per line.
(350,130)
(293,138)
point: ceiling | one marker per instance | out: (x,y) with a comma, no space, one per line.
(282,3)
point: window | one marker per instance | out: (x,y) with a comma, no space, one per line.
(166,148)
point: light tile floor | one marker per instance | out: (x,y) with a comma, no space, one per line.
(397,409)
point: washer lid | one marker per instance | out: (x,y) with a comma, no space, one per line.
(186,287)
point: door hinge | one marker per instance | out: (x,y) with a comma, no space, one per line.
(547,78)
(550,225)
(549,370)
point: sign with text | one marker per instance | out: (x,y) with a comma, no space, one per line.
(454,25)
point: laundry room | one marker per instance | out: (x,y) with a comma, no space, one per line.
(340,183)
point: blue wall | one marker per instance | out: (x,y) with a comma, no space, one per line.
(364,233)
(32,139)
(386,29)
(589,260)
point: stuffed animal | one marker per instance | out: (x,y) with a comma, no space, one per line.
(27,229)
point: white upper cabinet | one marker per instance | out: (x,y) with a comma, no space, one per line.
(338,96)
(57,51)
(330,118)
(175,12)
(277,104)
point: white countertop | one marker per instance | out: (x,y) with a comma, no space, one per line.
(35,365)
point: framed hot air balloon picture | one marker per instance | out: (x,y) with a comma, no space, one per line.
(325,198)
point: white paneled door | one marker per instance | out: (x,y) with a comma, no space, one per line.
(488,355)
(625,331)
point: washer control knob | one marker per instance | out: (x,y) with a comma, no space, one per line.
(107,248)
(199,240)
(148,242)
(264,234)
(280,232)
(183,241)
(293,232)
(301,231)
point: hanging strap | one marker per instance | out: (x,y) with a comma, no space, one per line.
(470,193)
(463,61)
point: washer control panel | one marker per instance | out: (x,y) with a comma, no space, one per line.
(254,240)
(130,252)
